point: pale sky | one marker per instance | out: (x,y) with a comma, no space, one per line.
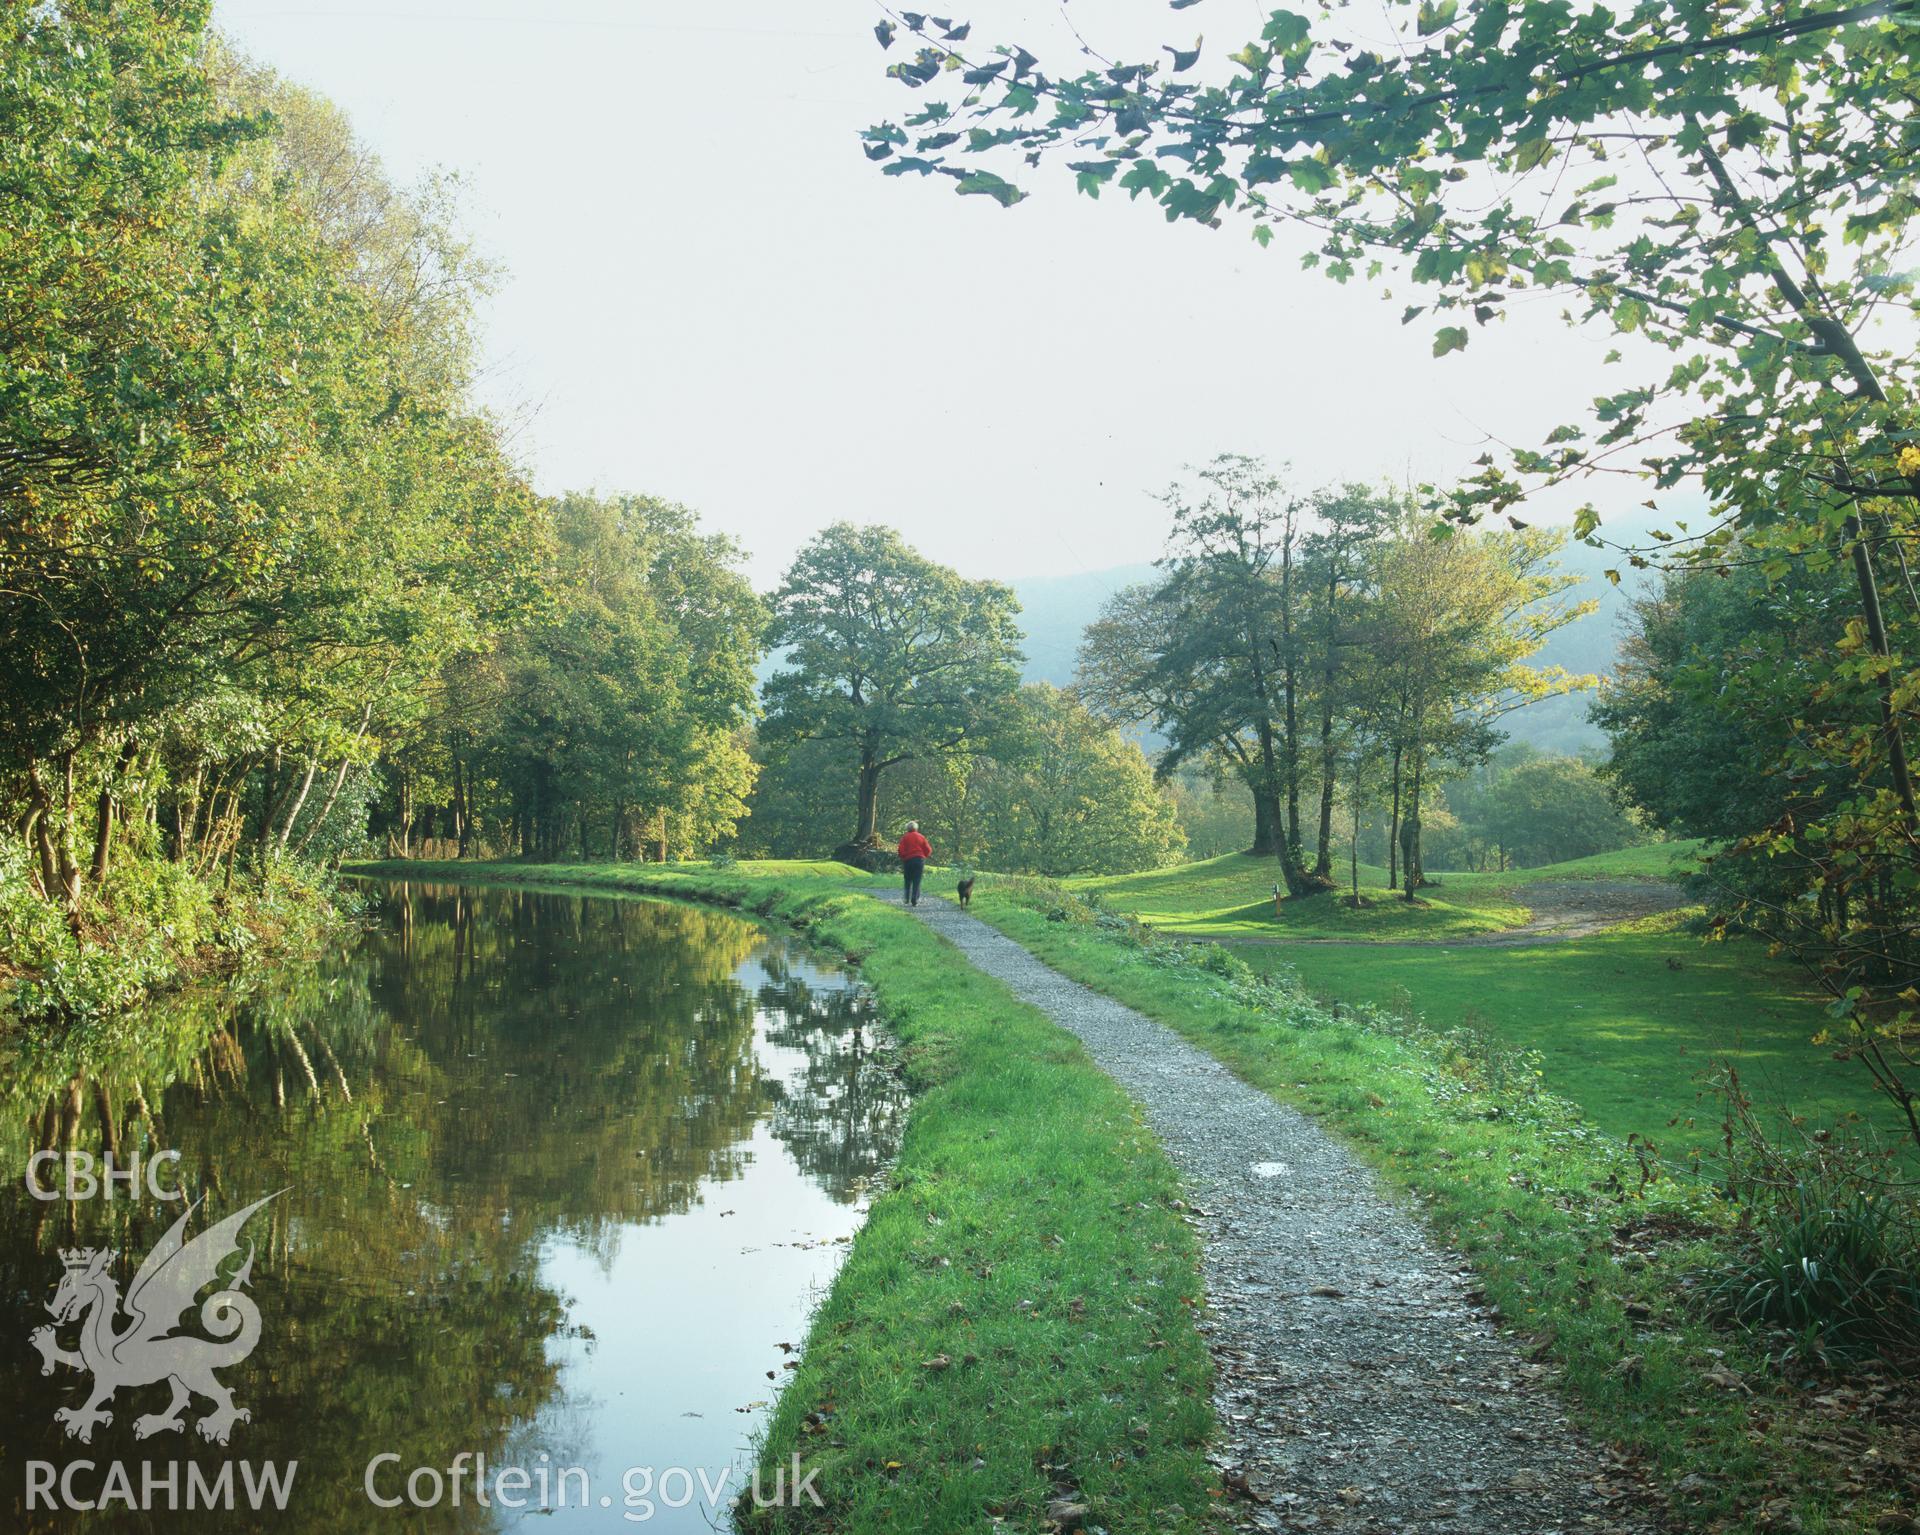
(710,295)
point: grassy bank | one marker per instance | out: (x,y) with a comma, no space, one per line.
(1599,1269)
(1014,1323)
(1630,1022)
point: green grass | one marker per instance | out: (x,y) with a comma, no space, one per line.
(1592,1265)
(1629,1022)
(1028,1238)
(1232,897)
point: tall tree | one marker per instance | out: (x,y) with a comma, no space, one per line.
(1456,622)
(1233,580)
(884,649)
(1056,790)
(1126,674)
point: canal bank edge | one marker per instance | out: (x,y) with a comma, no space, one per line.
(1012,1334)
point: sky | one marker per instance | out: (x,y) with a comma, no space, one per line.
(708,293)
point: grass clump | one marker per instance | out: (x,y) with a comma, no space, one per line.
(1014,1325)
(1828,1255)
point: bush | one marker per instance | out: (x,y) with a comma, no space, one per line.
(151,923)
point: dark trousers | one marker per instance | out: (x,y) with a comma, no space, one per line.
(911,869)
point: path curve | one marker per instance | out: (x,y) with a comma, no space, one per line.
(1358,1386)
(1561,910)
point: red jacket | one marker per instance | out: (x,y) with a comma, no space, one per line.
(913,845)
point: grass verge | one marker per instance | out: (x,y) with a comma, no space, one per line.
(1601,1265)
(1014,1324)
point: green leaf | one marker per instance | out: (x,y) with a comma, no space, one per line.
(1529,154)
(1310,175)
(1285,31)
(986,184)
(1450,338)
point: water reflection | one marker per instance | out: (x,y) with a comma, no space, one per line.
(563,1172)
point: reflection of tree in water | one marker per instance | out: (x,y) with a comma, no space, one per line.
(839,1116)
(489,1070)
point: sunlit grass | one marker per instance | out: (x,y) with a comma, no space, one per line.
(1232,897)
(1630,1023)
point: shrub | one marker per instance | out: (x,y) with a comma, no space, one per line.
(1834,1263)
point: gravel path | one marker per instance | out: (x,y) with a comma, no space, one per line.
(1359,1387)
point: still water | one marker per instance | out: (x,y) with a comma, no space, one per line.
(563,1177)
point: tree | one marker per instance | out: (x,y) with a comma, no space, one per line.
(1714,678)
(1550,809)
(1215,812)
(1125,674)
(886,650)
(240,513)
(619,712)
(1349,521)
(1055,791)
(1235,636)
(1455,622)
(1073,797)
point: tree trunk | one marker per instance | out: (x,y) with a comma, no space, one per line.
(45,842)
(1393,828)
(869,798)
(1264,845)
(269,801)
(1410,863)
(299,801)
(463,809)
(1273,790)
(105,810)
(1323,858)
(1353,847)
(53,839)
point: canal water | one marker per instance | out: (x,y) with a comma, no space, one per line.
(553,1183)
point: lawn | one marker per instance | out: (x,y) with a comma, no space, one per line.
(1628,1022)
(1232,897)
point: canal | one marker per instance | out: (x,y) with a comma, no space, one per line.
(552,1183)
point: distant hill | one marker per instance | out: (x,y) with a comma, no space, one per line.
(1587,645)
(1056,609)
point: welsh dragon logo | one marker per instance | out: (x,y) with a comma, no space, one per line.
(150,1348)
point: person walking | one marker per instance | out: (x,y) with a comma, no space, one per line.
(914,851)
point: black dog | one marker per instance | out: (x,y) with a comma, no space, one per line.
(966,891)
